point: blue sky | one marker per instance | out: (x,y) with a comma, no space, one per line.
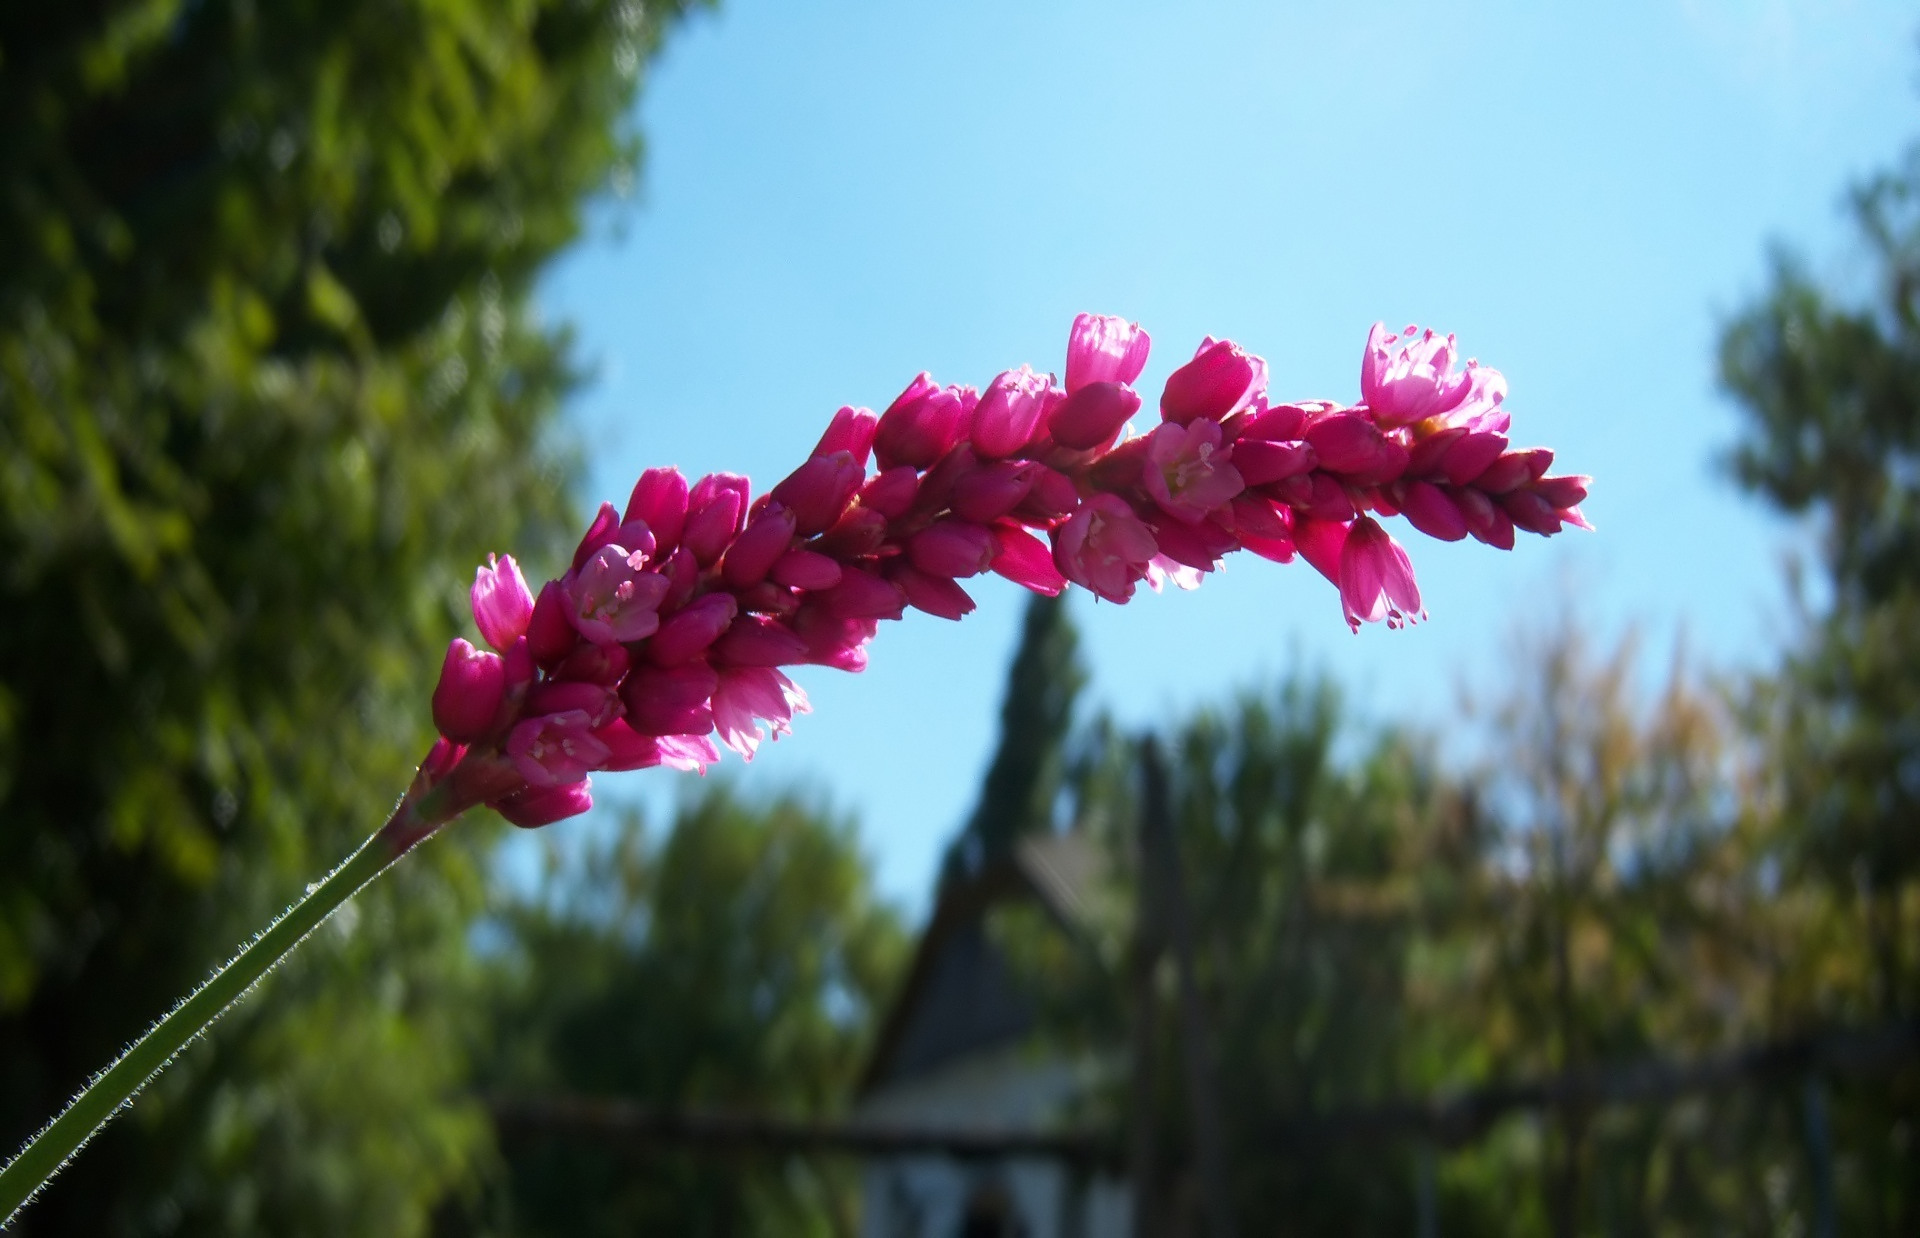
(836,197)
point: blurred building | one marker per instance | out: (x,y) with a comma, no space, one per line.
(961,1050)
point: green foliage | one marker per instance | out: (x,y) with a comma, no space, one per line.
(737,966)
(269,385)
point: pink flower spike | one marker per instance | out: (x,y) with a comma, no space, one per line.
(921,423)
(1010,412)
(1025,560)
(696,626)
(819,490)
(613,600)
(1104,547)
(1221,380)
(556,748)
(1376,578)
(952,548)
(937,595)
(502,603)
(1413,384)
(670,700)
(750,695)
(1102,349)
(537,806)
(660,501)
(1187,470)
(851,431)
(468,694)
(716,509)
(1091,416)
(603,530)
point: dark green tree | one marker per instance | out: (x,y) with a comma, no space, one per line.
(269,386)
(1830,384)
(738,965)
(1025,777)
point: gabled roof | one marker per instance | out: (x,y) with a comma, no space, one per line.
(960,995)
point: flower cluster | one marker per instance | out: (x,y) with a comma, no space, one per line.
(665,638)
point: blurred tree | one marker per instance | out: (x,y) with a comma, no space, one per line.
(1831,387)
(737,966)
(270,383)
(1025,777)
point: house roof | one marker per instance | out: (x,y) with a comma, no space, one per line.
(960,996)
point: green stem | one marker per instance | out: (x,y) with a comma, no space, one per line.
(48,1151)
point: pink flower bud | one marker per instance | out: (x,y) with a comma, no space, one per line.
(613,600)
(921,423)
(1025,560)
(851,431)
(555,748)
(861,532)
(1529,511)
(660,502)
(591,663)
(1413,384)
(1260,461)
(1513,470)
(1010,412)
(862,595)
(627,748)
(1347,442)
(1471,455)
(716,507)
(819,490)
(748,696)
(769,598)
(1256,517)
(468,694)
(604,529)
(1053,497)
(549,632)
(502,603)
(806,569)
(597,701)
(1101,349)
(1429,509)
(688,634)
(832,640)
(936,595)
(1187,471)
(670,700)
(1563,492)
(1092,415)
(952,548)
(1320,543)
(1199,546)
(441,759)
(892,491)
(755,640)
(1221,380)
(753,553)
(1283,423)
(990,491)
(1486,522)
(1426,454)
(1104,547)
(1376,578)
(543,805)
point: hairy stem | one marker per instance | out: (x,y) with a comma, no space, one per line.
(109,1092)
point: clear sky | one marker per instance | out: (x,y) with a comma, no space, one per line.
(838,196)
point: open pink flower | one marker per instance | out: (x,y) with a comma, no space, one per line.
(556,748)
(1104,547)
(1188,472)
(1376,578)
(1104,349)
(749,695)
(1413,384)
(614,600)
